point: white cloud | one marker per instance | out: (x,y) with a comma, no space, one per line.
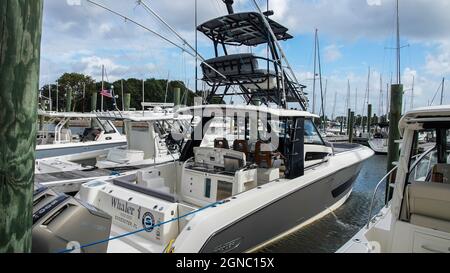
(82,38)
(332,53)
(374,2)
(438,63)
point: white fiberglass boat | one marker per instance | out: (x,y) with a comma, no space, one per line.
(417,219)
(379,140)
(56,139)
(150,141)
(231,190)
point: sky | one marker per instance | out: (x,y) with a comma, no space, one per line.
(353,36)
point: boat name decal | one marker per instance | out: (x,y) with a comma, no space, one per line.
(122,206)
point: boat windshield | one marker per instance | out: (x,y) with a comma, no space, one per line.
(312,135)
(237,129)
(104,125)
(435,165)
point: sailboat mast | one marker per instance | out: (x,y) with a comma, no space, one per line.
(442,91)
(334,106)
(314,77)
(381,97)
(320,82)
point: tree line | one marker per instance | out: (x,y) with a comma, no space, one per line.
(84,86)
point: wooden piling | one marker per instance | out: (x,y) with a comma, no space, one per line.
(127,102)
(94,102)
(348,121)
(394,118)
(177,96)
(93,107)
(351,123)
(20,39)
(369,117)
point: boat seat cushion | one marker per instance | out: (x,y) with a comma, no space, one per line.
(431,200)
(431,223)
(441,173)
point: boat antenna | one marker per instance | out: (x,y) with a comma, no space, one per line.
(197,55)
(140,25)
(185,42)
(155,14)
(304,103)
(229,4)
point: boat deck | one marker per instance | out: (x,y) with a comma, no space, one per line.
(76,175)
(344,147)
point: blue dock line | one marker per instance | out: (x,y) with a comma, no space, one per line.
(141,230)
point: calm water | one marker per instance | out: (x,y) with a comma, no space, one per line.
(332,231)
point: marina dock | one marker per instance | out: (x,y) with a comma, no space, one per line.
(222,139)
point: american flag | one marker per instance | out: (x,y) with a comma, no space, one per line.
(106,93)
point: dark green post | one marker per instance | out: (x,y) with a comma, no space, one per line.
(127,101)
(41,118)
(348,120)
(94,102)
(369,117)
(93,107)
(351,123)
(69,100)
(20,40)
(177,96)
(394,119)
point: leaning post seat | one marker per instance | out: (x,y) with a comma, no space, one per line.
(429,205)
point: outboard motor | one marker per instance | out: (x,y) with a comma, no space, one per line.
(62,222)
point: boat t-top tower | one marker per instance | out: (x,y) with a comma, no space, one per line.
(263,79)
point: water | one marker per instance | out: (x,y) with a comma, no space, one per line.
(332,231)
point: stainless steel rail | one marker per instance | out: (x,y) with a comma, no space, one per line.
(413,166)
(375,193)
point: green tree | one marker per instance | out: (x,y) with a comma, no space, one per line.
(82,87)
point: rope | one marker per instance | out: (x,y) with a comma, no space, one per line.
(141,230)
